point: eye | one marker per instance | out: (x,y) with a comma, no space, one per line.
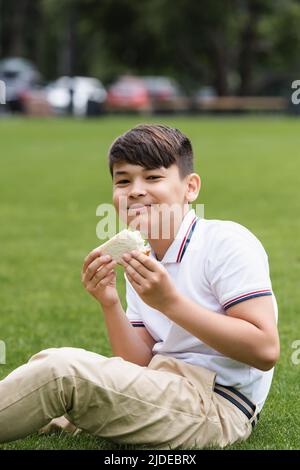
(122,182)
(153,176)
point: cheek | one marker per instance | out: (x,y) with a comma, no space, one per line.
(119,201)
(172,193)
(115,198)
(163,192)
(115,201)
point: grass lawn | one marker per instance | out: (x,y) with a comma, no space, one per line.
(54,175)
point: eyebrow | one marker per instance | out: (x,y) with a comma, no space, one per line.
(119,172)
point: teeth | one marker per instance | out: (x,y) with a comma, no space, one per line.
(137,208)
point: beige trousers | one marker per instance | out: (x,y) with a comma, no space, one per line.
(167,405)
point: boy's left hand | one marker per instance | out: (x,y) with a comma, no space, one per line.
(150,280)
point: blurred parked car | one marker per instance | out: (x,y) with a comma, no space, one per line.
(80,96)
(165,94)
(128,93)
(206,93)
(20,77)
(204,98)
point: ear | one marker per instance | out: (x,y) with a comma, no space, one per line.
(193,185)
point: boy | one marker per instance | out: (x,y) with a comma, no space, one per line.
(195,351)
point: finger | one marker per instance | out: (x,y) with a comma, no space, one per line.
(95,265)
(90,257)
(139,267)
(123,263)
(107,279)
(101,273)
(134,284)
(149,263)
(135,275)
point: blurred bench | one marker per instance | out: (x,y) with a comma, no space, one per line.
(35,104)
(174,104)
(242,103)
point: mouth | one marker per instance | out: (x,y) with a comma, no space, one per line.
(138,208)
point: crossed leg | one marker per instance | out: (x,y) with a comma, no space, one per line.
(107,397)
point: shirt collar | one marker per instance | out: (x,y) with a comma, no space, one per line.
(176,250)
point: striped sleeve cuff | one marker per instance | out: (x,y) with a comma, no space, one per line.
(249,295)
(137,323)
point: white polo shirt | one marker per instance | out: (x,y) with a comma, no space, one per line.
(217,264)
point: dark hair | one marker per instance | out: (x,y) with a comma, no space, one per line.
(153,146)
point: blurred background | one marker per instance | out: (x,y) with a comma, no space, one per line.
(90,57)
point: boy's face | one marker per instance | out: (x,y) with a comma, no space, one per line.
(138,194)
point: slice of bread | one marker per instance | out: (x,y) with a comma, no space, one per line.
(124,242)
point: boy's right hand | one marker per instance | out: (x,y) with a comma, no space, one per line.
(99,278)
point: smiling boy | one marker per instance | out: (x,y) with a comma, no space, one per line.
(193,354)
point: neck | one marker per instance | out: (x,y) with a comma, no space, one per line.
(160,247)
(161,244)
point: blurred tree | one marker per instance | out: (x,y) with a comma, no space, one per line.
(62,16)
(17,30)
(250,15)
(197,38)
(231,44)
(179,37)
(12,26)
(282,32)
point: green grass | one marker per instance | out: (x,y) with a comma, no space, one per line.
(53,176)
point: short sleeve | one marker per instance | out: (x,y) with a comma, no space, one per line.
(132,311)
(238,270)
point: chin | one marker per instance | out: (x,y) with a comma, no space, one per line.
(142,223)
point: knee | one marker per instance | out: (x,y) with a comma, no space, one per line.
(57,362)
(62,362)
(42,355)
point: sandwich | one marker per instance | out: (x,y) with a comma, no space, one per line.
(124,242)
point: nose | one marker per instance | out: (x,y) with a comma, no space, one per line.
(136,190)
